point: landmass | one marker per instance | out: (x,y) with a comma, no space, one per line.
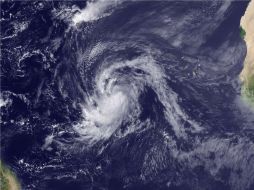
(242,32)
(247,32)
(8,179)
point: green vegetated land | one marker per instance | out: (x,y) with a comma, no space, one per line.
(8,180)
(249,89)
(242,32)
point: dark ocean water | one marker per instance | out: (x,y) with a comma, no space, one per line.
(125,95)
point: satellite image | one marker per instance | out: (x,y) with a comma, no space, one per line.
(127,95)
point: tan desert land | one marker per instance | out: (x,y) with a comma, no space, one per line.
(247,75)
(8,180)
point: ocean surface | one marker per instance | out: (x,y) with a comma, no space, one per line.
(118,94)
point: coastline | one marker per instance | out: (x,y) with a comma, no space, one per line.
(247,74)
(9,180)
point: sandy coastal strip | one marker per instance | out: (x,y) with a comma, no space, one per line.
(8,180)
(247,75)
